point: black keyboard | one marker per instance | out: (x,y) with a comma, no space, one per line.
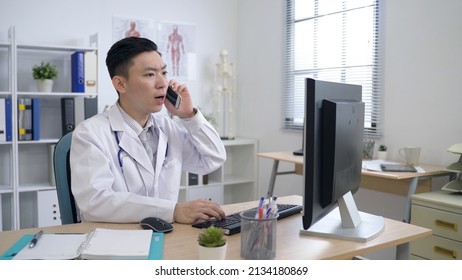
(232,223)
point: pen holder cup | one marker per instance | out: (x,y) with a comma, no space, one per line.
(258,236)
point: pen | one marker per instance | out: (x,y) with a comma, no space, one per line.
(268,213)
(35,239)
(260,207)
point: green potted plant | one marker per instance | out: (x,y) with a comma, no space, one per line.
(212,244)
(44,74)
(382,152)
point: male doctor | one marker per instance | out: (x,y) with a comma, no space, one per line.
(114,177)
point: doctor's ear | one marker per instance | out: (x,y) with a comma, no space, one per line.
(119,83)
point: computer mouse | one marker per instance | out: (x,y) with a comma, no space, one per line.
(156,224)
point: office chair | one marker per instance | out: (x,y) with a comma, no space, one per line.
(62,169)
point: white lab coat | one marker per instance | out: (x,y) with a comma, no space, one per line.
(105,192)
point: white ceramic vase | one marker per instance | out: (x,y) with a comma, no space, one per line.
(382,155)
(45,85)
(212,253)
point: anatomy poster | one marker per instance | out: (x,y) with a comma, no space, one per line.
(123,27)
(176,42)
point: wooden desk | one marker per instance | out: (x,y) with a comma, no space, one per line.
(400,183)
(181,243)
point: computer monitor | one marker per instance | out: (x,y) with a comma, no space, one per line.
(333,143)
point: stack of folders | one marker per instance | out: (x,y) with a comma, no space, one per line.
(28,119)
(84,70)
(100,244)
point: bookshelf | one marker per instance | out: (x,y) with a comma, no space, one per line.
(233,182)
(27,192)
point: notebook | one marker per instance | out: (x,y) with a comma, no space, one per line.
(98,244)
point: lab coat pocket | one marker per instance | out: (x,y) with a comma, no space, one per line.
(171,175)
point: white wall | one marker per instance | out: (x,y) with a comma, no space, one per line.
(260,75)
(70,23)
(423,71)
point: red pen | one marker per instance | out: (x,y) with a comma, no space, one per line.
(260,213)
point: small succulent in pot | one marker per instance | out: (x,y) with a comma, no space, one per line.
(211,237)
(44,71)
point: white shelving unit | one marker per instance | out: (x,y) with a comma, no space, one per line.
(234,182)
(26,190)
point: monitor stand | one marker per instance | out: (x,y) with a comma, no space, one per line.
(347,223)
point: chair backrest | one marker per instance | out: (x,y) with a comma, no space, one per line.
(62,169)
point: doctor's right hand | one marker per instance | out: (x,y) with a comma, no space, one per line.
(191,211)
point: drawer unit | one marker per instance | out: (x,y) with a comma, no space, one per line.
(442,223)
(437,248)
(442,213)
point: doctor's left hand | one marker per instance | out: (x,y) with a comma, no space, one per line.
(186,109)
(191,211)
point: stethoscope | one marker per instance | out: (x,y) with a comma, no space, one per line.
(121,150)
(119,157)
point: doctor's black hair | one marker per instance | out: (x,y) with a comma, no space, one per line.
(119,57)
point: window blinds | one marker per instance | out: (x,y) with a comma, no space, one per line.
(338,41)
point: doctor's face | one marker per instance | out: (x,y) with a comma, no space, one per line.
(143,92)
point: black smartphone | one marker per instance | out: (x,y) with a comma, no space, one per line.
(173,97)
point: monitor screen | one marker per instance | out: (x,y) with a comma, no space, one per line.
(333,141)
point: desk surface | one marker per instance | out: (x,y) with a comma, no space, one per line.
(181,243)
(430,170)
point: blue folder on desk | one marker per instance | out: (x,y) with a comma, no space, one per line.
(156,250)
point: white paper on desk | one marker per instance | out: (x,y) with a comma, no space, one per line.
(374,165)
(53,247)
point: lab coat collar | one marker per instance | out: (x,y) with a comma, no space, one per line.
(129,142)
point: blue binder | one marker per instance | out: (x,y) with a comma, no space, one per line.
(35,119)
(8,119)
(78,71)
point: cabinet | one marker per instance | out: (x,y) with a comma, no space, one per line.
(27,191)
(441,212)
(233,182)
